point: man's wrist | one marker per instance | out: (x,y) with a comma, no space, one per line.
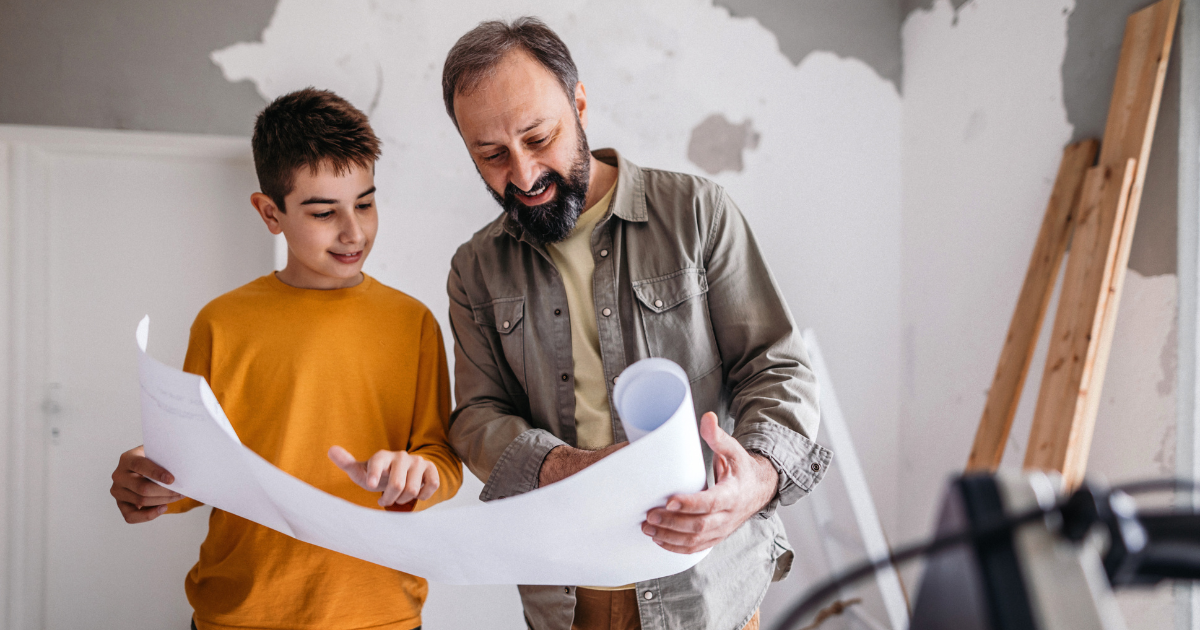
(767,477)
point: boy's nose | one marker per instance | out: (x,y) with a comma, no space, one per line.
(352,232)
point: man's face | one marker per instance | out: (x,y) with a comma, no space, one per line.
(528,145)
(329,225)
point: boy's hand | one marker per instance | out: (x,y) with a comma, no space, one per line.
(138,498)
(401,476)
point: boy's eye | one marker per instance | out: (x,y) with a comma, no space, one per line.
(324,215)
(365,206)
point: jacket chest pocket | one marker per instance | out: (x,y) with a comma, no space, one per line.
(504,318)
(675,317)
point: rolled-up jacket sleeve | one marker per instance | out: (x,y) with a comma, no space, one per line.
(496,444)
(774,394)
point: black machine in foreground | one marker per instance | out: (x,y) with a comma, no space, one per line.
(1013,553)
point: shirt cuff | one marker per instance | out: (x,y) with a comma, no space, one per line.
(801,462)
(517,470)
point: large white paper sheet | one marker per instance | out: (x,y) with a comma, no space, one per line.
(585,529)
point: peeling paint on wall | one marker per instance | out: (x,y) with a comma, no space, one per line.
(716,144)
(927,5)
(868,30)
(126,65)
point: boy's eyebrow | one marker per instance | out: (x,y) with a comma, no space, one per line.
(321,201)
(484,143)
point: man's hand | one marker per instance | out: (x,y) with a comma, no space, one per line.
(401,476)
(746,482)
(139,498)
(563,461)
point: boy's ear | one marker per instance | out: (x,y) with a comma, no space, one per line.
(268,211)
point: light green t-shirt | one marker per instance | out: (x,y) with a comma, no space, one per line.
(573,258)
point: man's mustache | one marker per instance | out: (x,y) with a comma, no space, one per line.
(547,178)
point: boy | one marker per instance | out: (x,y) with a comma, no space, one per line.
(316,356)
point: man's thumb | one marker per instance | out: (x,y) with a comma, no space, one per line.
(718,440)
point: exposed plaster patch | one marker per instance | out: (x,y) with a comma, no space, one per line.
(1095,30)
(927,5)
(716,144)
(868,30)
(1168,359)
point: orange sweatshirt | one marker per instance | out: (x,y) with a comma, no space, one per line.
(298,371)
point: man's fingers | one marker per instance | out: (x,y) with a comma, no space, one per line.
(681,540)
(679,522)
(703,502)
(147,468)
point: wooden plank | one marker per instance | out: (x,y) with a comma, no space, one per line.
(1073,383)
(1017,353)
(1078,321)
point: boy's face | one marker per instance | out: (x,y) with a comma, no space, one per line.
(330,225)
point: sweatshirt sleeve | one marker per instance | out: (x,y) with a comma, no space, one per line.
(431,413)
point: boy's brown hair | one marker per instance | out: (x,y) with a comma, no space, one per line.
(308,128)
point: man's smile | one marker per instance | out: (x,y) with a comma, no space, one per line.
(538,196)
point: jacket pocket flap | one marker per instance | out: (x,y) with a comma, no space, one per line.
(503,314)
(666,292)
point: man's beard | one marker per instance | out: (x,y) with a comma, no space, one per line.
(552,221)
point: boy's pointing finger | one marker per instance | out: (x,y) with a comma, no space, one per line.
(344,460)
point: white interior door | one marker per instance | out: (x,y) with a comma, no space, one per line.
(108,227)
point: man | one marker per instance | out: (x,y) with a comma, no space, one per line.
(594,264)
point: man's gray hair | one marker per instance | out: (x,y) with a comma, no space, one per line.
(475,56)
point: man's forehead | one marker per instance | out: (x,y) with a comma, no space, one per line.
(519,94)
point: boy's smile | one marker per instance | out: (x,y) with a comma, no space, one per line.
(329,223)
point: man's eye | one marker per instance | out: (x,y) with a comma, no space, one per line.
(538,141)
(491,158)
(324,215)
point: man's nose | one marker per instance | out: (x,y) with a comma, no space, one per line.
(525,172)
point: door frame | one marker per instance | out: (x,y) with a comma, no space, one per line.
(25,155)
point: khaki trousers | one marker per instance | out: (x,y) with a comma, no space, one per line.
(615,610)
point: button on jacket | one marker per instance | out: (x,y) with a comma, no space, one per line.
(678,275)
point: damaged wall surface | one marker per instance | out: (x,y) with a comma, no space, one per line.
(987,112)
(898,227)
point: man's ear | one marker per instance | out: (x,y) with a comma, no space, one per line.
(268,211)
(581,104)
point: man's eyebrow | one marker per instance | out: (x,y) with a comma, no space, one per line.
(534,124)
(367,192)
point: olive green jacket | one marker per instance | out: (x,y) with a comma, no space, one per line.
(678,275)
